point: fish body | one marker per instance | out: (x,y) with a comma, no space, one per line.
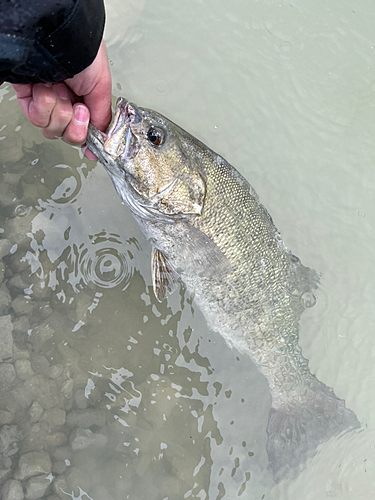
(209,229)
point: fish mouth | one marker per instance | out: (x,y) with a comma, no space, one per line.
(118,141)
(119,137)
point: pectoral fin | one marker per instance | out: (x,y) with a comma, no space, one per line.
(164,277)
(202,256)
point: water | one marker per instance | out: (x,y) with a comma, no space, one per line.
(285,93)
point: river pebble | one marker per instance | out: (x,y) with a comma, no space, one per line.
(54,417)
(35,411)
(36,487)
(5,474)
(9,437)
(86,418)
(22,305)
(18,284)
(5,300)
(6,338)
(33,464)
(12,490)
(40,364)
(81,438)
(60,486)
(44,390)
(80,399)
(5,246)
(7,375)
(6,417)
(23,369)
(21,324)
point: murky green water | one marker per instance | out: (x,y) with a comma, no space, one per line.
(135,399)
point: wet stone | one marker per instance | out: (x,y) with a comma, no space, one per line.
(21,305)
(44,390)
(56,439)
(20,353)
(5,300)
(59,467)
(36,487)
(56,371)
(6,417)
(54,417)
(5,462)
(45,311)
(33,464)
(7,194)
(6,338)
(17,284)
(86,418)
(63,453)
(42,333)
(22,395)
(80,399)
(67,387)
(59,486)
(9,437)
(21,325)
(35,411)
(23,369)
(81,438)
(4,475)
(12,490)
(7,375)
(40,364)
(17,262)
(5,246)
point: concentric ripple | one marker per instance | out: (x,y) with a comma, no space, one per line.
(107,267)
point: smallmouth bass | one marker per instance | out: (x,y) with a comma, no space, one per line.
(209,229)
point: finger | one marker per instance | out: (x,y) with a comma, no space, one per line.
(94,84)
(41,105)
(88,154)
(61,114)
(99,103)
(76,131)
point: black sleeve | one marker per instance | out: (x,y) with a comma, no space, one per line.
(48,40)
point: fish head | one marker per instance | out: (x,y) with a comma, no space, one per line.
(154,164)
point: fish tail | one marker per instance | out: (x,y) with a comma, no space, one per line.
(296,430)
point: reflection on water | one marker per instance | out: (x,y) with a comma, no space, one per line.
(106,394)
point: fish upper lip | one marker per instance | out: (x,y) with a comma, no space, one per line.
(120,116)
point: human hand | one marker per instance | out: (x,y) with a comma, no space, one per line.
(63,110)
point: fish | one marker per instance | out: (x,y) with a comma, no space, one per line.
(209,230)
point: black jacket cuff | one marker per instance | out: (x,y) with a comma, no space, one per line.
(68,50)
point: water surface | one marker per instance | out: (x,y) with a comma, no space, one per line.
(285,93)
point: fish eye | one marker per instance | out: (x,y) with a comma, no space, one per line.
(156,136)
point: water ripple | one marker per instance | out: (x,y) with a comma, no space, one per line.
(107,267)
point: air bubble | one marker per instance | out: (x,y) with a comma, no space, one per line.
(21,210)
(308,299)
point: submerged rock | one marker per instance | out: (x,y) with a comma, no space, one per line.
(7,375)
(81,438)
(9,437)
(12,490)
(6,338)
(44,390)
(33,464)
(6,417)
(5,246)
(23,369)
(5,300)
(36,487)
(86,418)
